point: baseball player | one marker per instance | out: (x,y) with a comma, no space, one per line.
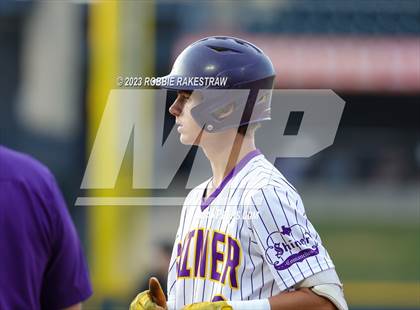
(244,241)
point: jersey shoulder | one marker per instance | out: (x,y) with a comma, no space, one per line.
(264,175)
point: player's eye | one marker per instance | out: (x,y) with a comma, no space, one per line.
(185,94)
(183,97)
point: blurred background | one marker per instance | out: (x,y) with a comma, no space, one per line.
(59,59)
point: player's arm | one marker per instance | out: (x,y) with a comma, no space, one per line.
(66,282)
(321,291)
(292,249)
(303,299)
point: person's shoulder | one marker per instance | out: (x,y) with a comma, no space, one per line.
(264,174)
(265,178)
(22,168)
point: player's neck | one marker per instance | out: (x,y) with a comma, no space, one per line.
(223,158)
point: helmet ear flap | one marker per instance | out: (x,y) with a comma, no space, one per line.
(220,108)
(224,111)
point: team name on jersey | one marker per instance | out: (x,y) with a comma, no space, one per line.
(215,256)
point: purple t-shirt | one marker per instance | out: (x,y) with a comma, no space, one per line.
(41,261)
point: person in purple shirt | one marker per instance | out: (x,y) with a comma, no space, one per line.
(41,261)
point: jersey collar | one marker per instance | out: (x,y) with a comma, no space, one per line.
(242,163)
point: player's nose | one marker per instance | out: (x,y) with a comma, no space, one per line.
(176,108)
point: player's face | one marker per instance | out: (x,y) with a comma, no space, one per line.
(187,127)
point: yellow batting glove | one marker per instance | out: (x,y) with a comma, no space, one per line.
(218,305)
(143,301)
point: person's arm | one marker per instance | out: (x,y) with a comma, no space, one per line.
(301,299)
(293,251)
(66,280)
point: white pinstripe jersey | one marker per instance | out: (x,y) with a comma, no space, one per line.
(250,239)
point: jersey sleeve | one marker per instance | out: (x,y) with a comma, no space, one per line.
(66,280)
(287,240)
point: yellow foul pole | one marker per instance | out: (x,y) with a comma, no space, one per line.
(121,41)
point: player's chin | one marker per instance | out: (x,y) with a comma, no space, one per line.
(186,140)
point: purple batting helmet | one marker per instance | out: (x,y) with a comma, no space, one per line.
(243,66)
